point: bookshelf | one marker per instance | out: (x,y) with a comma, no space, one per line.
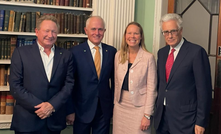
(5,119)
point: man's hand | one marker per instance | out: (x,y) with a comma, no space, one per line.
(199,129)
(70,119)
(44,110)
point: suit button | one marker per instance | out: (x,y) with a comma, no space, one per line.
(132,92)
(166,90)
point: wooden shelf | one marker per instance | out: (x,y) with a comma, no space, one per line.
(33,34)
(5,121)
(5,61)
(4,88)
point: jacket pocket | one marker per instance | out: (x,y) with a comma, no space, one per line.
(142,91)
(188,108)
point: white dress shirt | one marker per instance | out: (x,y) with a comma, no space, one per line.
(47,60)
(93,50)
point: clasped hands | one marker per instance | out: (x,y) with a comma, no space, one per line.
(45,110)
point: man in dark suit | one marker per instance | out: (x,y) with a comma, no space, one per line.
(41,80)
(93,93)
(184,83)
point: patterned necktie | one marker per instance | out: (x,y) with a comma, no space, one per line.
(97,61)
(169,63)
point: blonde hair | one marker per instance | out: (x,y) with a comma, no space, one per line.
(123,57)
(47,17)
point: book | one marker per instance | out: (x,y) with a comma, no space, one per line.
(28,22)
(33,21)
(23,23)
(77,24)
(13,42)
(71,3)
(80,3)
(8,55)
(2,14)
(66,2)
(75,3)
(2,75)
(6,19)
(17,21)
(65,23)
(3,103)
(9,104)
(11,20)
(62,23)
(2,48)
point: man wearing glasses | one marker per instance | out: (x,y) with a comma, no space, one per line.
(184,83)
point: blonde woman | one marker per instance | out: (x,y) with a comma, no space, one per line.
(135,84)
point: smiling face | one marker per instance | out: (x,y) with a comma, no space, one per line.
(47,33)
(95,30)
(133,36)
(174,36)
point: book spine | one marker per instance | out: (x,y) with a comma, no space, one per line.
(71,2)
(2,75)
(80,3)
(66,2)
(65,23)
(6,20)
(9,104)
(17,21)
(2,14)
(8,48)
(3,102)
(78,24)
(3,49)
(23,23)
(28,22)
(33,21)
(13,44)
(11,18)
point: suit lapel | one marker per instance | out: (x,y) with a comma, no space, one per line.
(37,58)
(57,56)
(88,56)
(138,58)
(179,59)
(104,59)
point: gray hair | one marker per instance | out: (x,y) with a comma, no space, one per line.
(172,16)
(47,17)
(88,20)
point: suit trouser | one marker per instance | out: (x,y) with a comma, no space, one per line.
(166,128)
(98,125)
(44,130)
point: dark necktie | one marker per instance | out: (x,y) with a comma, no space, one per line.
(169,63)
(97,61)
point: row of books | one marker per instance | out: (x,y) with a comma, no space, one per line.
(69,44)
(26,21)
(6,103)
(4,75)
(72,3)
(8,44)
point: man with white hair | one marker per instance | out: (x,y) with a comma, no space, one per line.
(184,83)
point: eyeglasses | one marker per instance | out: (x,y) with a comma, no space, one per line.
(173,32)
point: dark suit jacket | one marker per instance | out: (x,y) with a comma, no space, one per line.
(188,91)
(29,86)
(88,89)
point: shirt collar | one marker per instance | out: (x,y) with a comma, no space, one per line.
(91,45)
(178,46)
(42,48)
